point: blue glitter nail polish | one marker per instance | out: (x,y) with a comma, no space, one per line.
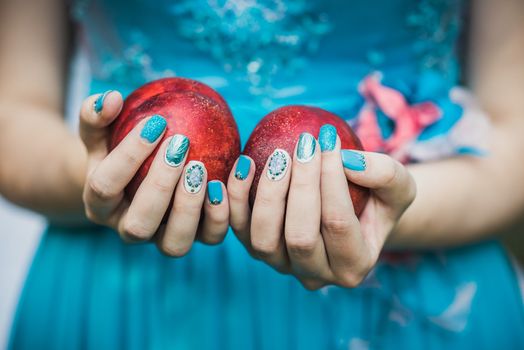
(327,137)
(154,127)
(99,103)
(214,192)
(242,169)
(353,160)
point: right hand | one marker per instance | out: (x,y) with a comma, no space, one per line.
(140,220)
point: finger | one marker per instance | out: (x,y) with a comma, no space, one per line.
(238,186)
(390,180)
(339,225)
(269,209)
(216,214)
(97,112)
(152,198)
(302,229)
(184,218)
(106,183)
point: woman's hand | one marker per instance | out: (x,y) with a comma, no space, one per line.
(303,222)
(141,219)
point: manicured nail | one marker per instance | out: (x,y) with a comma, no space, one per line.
(154,127)
(214,192)
(327,137)
(99,103)
(176,150)
(306,147)
(353,160)
(242,169)
(278,164)
(194,177)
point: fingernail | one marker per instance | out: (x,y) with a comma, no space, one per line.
(99,102)
(242,169)
(154,127)
(306,147)
(214,192)
(278,164)
(327,137)
(176,150)
(194,177)
(353,160)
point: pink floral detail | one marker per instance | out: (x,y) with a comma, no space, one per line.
(410,120)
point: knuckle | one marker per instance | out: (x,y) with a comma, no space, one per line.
(174,250)
(217,216)
(217,220)
(236,193)
(188,207)
(264,200)
(131,157)
(312,285)
(136,232)
(337,224)
(350,279)
(92,216)
(301,245)
(264,249)
(301,184)
(162,186)
(100,188)
(213,238)
(239,224)
(354,277)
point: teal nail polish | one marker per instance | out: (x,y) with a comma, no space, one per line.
(242,169)
(99,103)
(176,150)
(214,192)
(306,147)
(154,127)
(353,160)
(327,137)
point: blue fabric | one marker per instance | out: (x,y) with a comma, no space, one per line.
(86,289)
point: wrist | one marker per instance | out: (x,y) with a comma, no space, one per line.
(76,164)
(73,165)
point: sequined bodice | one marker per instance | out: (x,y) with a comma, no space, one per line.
(262,54)
(270,46)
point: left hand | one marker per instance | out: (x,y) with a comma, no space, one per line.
(304,223)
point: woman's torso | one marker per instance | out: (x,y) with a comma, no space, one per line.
(347,57)
(264,54)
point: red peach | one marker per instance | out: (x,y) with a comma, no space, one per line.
(190,108)
(281,129)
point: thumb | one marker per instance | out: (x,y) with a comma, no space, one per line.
(390,181)
(97,112)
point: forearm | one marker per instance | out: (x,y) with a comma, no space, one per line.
(465,199)
(43,164)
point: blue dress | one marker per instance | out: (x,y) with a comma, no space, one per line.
(358,59)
